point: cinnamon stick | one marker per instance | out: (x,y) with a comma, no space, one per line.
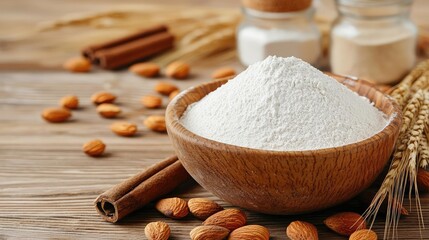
(89,51)
(139,190)
(122,55)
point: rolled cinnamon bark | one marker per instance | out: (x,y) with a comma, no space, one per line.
(89,51)
(139,190)
(122,55)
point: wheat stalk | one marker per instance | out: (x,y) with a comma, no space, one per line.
(401,92)
(404,164)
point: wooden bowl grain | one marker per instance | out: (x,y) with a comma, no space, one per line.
(286,182)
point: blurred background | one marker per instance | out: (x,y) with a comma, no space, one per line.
(56,30)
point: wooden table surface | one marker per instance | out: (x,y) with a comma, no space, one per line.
(47,185)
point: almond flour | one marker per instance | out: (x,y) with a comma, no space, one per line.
(284,104)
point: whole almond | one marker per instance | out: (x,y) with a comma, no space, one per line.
(203,208)
(150,101)
(70,102)
(125,129)
(300,230)
(223,72)
(173,94)
(155,123)
(145,69)
(209,233)
(108,110)
(94,148)
(250,232)
(103,97)
(229,218)
(423,180)
(56,115)
(363,234)
(157,231)
(175,208)
(165,88)
(77,64)
(345,223)
(178,70)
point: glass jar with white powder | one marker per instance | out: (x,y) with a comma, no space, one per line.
(282,28)
(373,40)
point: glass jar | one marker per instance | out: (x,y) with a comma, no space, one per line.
(283,34)
(373,40)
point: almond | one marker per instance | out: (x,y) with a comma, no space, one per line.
(250,232)
(77,64)
(125,129)
(145,69)
(223,72)
(70,102)
(103,97)
(94,148)
(300,230)
(209,233)
(151,101)
(173,94)
(345,223)
(423,180)
(173,207)
(363,234)
(229,218)
(178,70)
(108,110)
(155,123)
(203,208)
(165,88)
(157,231)
(56,115)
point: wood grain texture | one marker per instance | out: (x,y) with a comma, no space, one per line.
(48,186)
(285,182)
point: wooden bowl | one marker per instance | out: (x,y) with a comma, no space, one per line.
(283,182)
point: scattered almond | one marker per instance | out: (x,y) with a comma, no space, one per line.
(173,94)
(103,97)
(165,88)
(94,148)
(155,123)
(203,208)
(77,64)
(345,223)
(146,69)
(223,72)
(209,233)
(56,115)
(151,101)
(70,102)
(363,234)
(173,207)
(157,231)
(178,70)
(229,218)
(423,180)
(108,110)
(300,230)
(125,129)
(250,232)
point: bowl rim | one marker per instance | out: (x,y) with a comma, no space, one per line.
(174,125)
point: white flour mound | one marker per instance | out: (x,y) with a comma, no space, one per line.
(283,104)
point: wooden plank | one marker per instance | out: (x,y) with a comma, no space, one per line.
(47,185)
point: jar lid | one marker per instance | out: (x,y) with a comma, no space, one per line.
(277,5)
